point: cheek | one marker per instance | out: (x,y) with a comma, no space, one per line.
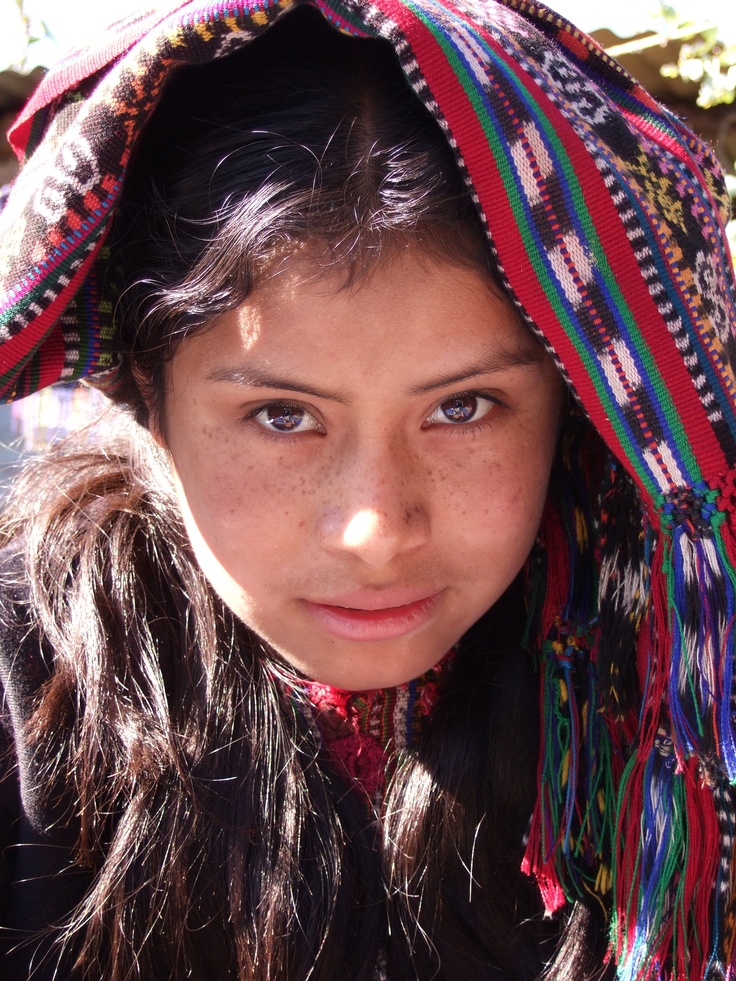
(502,506)
(218,482)
(495,508)
(240,513)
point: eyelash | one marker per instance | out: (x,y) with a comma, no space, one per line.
(459,429)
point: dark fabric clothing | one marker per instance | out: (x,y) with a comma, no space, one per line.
(38,882)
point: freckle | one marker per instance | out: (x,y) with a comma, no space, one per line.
(302,524)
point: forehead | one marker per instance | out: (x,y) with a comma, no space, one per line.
(412,307)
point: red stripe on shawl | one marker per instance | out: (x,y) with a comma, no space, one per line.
(636,294)
(50,367)
(473,144)
(85,62)
(39,333)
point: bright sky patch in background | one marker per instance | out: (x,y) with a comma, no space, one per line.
(75,23)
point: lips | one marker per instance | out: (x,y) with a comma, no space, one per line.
(362,616)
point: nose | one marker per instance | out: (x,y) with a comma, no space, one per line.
(379,509)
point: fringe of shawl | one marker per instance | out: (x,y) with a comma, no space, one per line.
(639,811)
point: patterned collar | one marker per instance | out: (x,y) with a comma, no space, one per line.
(364,733)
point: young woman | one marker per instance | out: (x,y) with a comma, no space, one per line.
(393,637)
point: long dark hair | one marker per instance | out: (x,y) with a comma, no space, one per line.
(221,843)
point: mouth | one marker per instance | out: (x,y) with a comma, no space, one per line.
(374,617)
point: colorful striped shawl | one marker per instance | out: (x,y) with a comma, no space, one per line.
(605,219)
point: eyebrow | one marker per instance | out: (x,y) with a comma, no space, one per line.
(491,364)
(254,376)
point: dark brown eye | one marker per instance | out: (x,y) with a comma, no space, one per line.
(280,417)
(460,409)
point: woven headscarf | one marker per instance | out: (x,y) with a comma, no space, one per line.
(605,221)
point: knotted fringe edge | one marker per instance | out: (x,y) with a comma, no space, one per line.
(665,869)
(701,600)
(673,863)
(570,838)
(671,831)
(582,755)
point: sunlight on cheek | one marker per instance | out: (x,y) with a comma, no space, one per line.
(360,528)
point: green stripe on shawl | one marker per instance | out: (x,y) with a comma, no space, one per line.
(548,283)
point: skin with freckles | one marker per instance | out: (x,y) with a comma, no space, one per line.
(362,470)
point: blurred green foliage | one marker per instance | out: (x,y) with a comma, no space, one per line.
(709,58)
(30,30)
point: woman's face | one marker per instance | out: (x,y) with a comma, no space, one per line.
(362,471)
